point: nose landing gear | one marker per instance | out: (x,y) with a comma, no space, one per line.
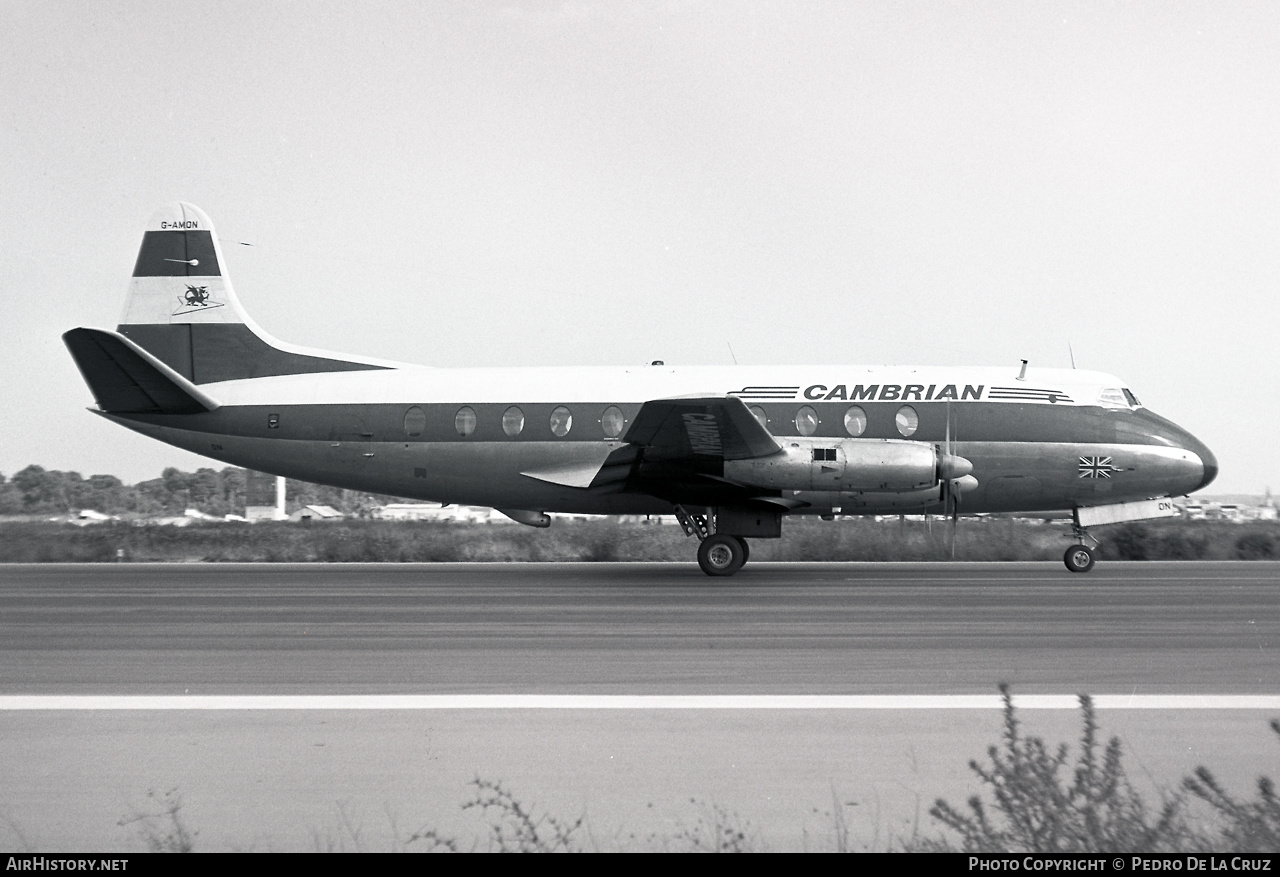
(1080,557)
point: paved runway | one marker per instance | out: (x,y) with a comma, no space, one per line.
(1126,628)
(644,778)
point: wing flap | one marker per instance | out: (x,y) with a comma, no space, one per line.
(596,466)
(568,474)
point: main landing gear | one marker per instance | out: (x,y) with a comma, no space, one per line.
(722,555)
(719,554)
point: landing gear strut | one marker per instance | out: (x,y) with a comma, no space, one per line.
(719,554)
(1080,557)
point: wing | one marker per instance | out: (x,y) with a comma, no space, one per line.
(711,428)
(674,446)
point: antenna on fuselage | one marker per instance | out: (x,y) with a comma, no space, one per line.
(1022,375)
(1072,353)
(730,346)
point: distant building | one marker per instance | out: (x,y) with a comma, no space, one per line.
(90,516)
(1242,510)
(474,514)
(316,513)
(180,521)
(409,511)
(431,511)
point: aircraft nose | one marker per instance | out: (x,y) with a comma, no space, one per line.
(1197,467)
(1208,461)
(1210,465)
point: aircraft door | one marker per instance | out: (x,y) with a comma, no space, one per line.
(828,467)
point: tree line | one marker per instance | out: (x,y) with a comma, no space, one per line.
(39,491)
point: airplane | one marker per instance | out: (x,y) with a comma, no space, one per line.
(730,450)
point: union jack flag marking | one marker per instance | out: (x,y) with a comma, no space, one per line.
(1096,467)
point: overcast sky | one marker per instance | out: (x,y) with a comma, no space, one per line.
(544,183)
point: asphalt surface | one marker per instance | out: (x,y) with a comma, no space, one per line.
(333,779)
(1143,628)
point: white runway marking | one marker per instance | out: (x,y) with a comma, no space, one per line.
(633,702)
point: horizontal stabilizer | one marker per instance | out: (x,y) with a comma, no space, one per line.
(125,379)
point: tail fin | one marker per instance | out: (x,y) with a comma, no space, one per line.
(182,310)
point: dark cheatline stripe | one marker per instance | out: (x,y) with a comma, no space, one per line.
(169,254)
(985,422)
(208,352)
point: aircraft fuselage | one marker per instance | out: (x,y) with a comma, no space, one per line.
(1027,454)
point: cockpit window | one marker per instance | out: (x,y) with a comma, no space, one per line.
(1115,397)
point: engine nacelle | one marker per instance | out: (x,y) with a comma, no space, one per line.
(861,465)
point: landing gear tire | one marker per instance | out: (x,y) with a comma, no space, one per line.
(721,555)
(1079,558)
(746,549)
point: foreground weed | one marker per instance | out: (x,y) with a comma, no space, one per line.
(717,830)
(1244,826)
(1035,808)
(21,844)
(840,829)
(163,831)
(430,841)
(515,828)
(347,835)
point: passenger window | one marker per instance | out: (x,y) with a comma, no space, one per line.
(760,415)
(907,420)
(465,421)
(855,421)
(561,421)
(612,421)
(806,421)
(513,421)
(415,421)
